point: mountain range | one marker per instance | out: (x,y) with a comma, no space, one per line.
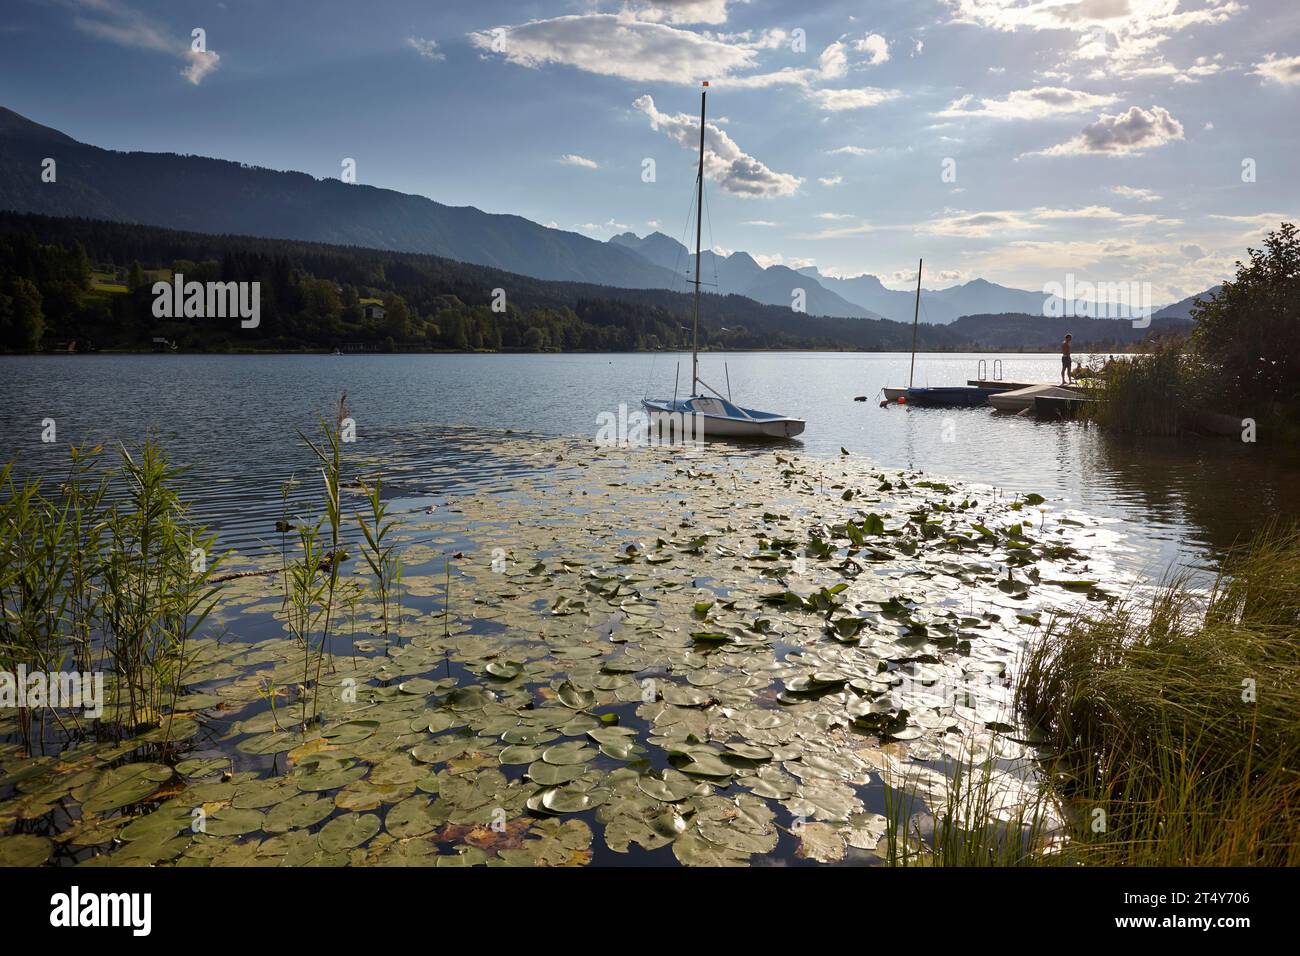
(223,197)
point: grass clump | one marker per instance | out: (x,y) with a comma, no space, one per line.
(1143,394)
(972,812)
(1173,722)
(104,572)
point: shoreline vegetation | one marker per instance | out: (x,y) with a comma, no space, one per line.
(457,688)
(1237,373)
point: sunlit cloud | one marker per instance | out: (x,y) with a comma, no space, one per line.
(1279,69)
(1123,134)
(725,162)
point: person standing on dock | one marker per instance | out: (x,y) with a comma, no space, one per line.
(1067,372)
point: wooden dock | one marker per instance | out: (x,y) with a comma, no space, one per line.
(997,385)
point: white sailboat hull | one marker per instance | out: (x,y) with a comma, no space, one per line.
(703,418)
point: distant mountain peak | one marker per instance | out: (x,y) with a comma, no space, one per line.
(20,127)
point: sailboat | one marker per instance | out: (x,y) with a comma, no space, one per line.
(714,415)
(942,396)
(894,394)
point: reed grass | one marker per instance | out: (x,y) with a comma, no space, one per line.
(969,824)
(99,585)
(380,553)
(1142,394)
(1174,721)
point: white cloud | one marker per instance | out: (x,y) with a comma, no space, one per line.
(682,11)
(834,61)
(573,159)
(851,151)
(1129,192)
(758,222)
(830,180)
(837,100)
(611,225)
(875,46)
(611,45)
(724,161)
(428,49)
(1036,103)
(1261,220)
(1122,134)
(1085,212)
(977,225)
(199,64)
(1122,37)
(114,21)
(1279,69)
(833,215)
(840,232)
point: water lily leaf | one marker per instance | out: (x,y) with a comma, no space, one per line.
(574,697)
(552,775)
(298,813)
(611,735)
(25,849)
(692,849)
(350,731)
(413,817)
(162,824)
(566,800)
(569,752)
(199,767)
(420,686)
(318,781)
(120,786)
(626,749)
(669,789)
(748,751)
(520,755)
(346,831)
(259,794)
(703,763)
(821,842)
(504,670)
(683,695)
(233,822)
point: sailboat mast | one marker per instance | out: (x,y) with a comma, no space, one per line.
(916,314)
(699,225)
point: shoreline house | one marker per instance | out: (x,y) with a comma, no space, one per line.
(373,310)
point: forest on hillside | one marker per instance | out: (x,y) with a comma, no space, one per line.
(89,284)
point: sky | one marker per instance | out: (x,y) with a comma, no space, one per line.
(1020,141)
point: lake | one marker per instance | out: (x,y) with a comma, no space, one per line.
(233,420)
(699,656)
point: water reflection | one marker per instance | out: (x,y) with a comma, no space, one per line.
(234,419)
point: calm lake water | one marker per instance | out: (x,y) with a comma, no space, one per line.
(233,420)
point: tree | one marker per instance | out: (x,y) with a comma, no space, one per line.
(1247,334)
(22,323)
(397,317)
